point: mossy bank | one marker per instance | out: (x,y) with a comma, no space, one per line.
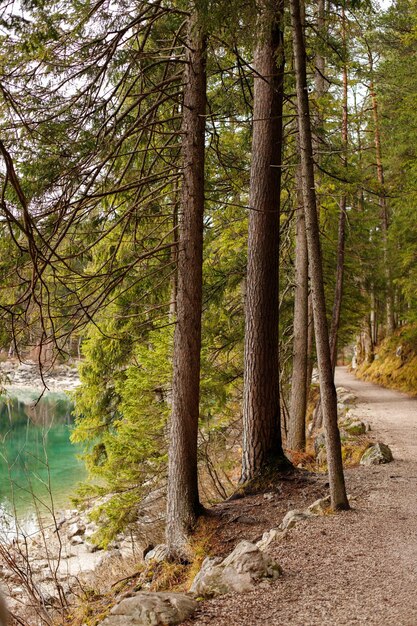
(395,362)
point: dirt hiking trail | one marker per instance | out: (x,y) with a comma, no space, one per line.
(357,567)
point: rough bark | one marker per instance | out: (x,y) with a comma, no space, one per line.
(319,74)
(340,268)
(174,257)
(320,90)
(182,497)
(262,446)
(327,389)
(373,318)
(296,428)
(310,342)
(383,208)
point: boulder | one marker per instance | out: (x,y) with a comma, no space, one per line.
(151,609)
(237,573)
(292,518)
(376,455)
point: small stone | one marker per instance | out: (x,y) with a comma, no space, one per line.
(76,540)
(319,442)
(269,537)
(346,398)
(75,529)
(319,506)
(321,458)
(354,427)
(158,554)
(342,409)
(92,547)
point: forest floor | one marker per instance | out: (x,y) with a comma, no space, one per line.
(356,567)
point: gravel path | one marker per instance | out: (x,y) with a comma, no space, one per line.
(357,567)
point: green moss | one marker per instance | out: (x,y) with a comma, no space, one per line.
(395,365)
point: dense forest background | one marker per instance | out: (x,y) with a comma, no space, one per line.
(203,200)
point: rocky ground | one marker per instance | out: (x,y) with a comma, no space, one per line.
(309,568)
(357,567)
(17,375)
(61,559)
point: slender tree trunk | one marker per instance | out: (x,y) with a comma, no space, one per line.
(340,269)
(262,446)
(373,318)
(382,203)
(319,75)
(296,439)
(320,89)
(182,497)
(327,389)
(373,313)
(340,266)
(310,340)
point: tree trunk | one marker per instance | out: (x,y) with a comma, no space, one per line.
(182,497)
(327,389)
(320,90)
(319,75)
(174,257)
(262,446)
(296,429)
(340,269)
(382,203)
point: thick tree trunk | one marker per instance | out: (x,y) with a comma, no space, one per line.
(182,497)
(299,388)
(262,446)
(174,256)
(327,389)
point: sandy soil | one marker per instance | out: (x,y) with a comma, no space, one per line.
(357,567)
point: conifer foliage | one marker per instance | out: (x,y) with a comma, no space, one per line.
(169,171)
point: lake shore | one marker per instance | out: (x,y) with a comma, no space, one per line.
(27,374)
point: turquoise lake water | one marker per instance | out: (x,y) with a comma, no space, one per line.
(37,458)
